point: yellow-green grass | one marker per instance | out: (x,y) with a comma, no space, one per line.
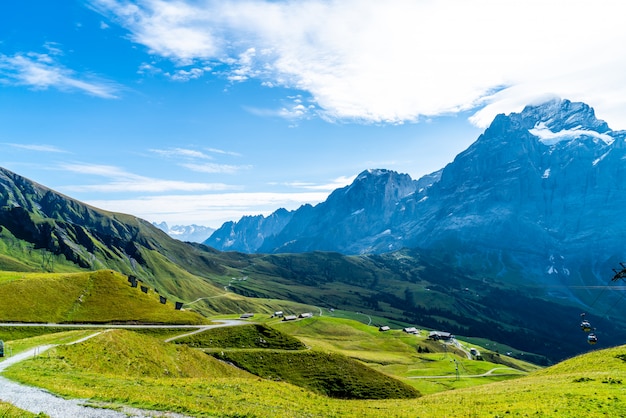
(246,336)
(398,354)
(591,385)
(22,335)
(329,374)
(13,347)
(102,296)
(10,411)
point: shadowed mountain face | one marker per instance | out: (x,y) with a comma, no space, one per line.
(538,197)
(36,219)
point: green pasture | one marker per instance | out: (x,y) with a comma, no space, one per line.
(9,411)
(246,336)
(103,296)
(144,372)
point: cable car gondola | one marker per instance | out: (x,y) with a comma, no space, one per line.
(592,339)
(584,324)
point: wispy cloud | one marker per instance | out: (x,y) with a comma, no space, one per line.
(328,187)
(195,160)
(220,151)
(188,74)
(37,147)
(215,168)
(120,180)
(397,60)
(294,108)
(42,71)
(207,209)
(181,152)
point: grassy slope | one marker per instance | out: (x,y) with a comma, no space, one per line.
(102,296)
(19,255)
(247,336)
(9,411)
(396,353)
(591,385)
(328,374)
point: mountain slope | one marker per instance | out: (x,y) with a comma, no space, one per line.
(538,197)
(44,230)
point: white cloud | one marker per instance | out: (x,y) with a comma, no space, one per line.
(215,168)
(38,147)
(293,108)
(186,75)
(172,29)
(337,183)
(41,71)
(223,152)
(398,60)
(196,160)
(122,181)
(207,209)
(181,152)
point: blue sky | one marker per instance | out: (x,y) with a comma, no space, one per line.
(202,111)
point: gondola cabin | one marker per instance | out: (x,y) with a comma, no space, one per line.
(592,339)
(585,326)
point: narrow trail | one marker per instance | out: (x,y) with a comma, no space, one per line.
(486,374)
(222,323)
(38,400)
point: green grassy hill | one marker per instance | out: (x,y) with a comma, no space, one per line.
(122,367)
(103,296)
(247,336)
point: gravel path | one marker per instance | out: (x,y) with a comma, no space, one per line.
(37,400)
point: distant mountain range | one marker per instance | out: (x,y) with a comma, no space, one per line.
(188,233)
(538,197)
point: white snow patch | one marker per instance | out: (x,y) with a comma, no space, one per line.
(356,212)
(546,174)
(548,137)
(423,199)
(597,160)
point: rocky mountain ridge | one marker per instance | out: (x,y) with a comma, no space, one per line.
(538,196)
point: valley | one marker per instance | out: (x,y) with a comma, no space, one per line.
(323,365)
(308,316)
